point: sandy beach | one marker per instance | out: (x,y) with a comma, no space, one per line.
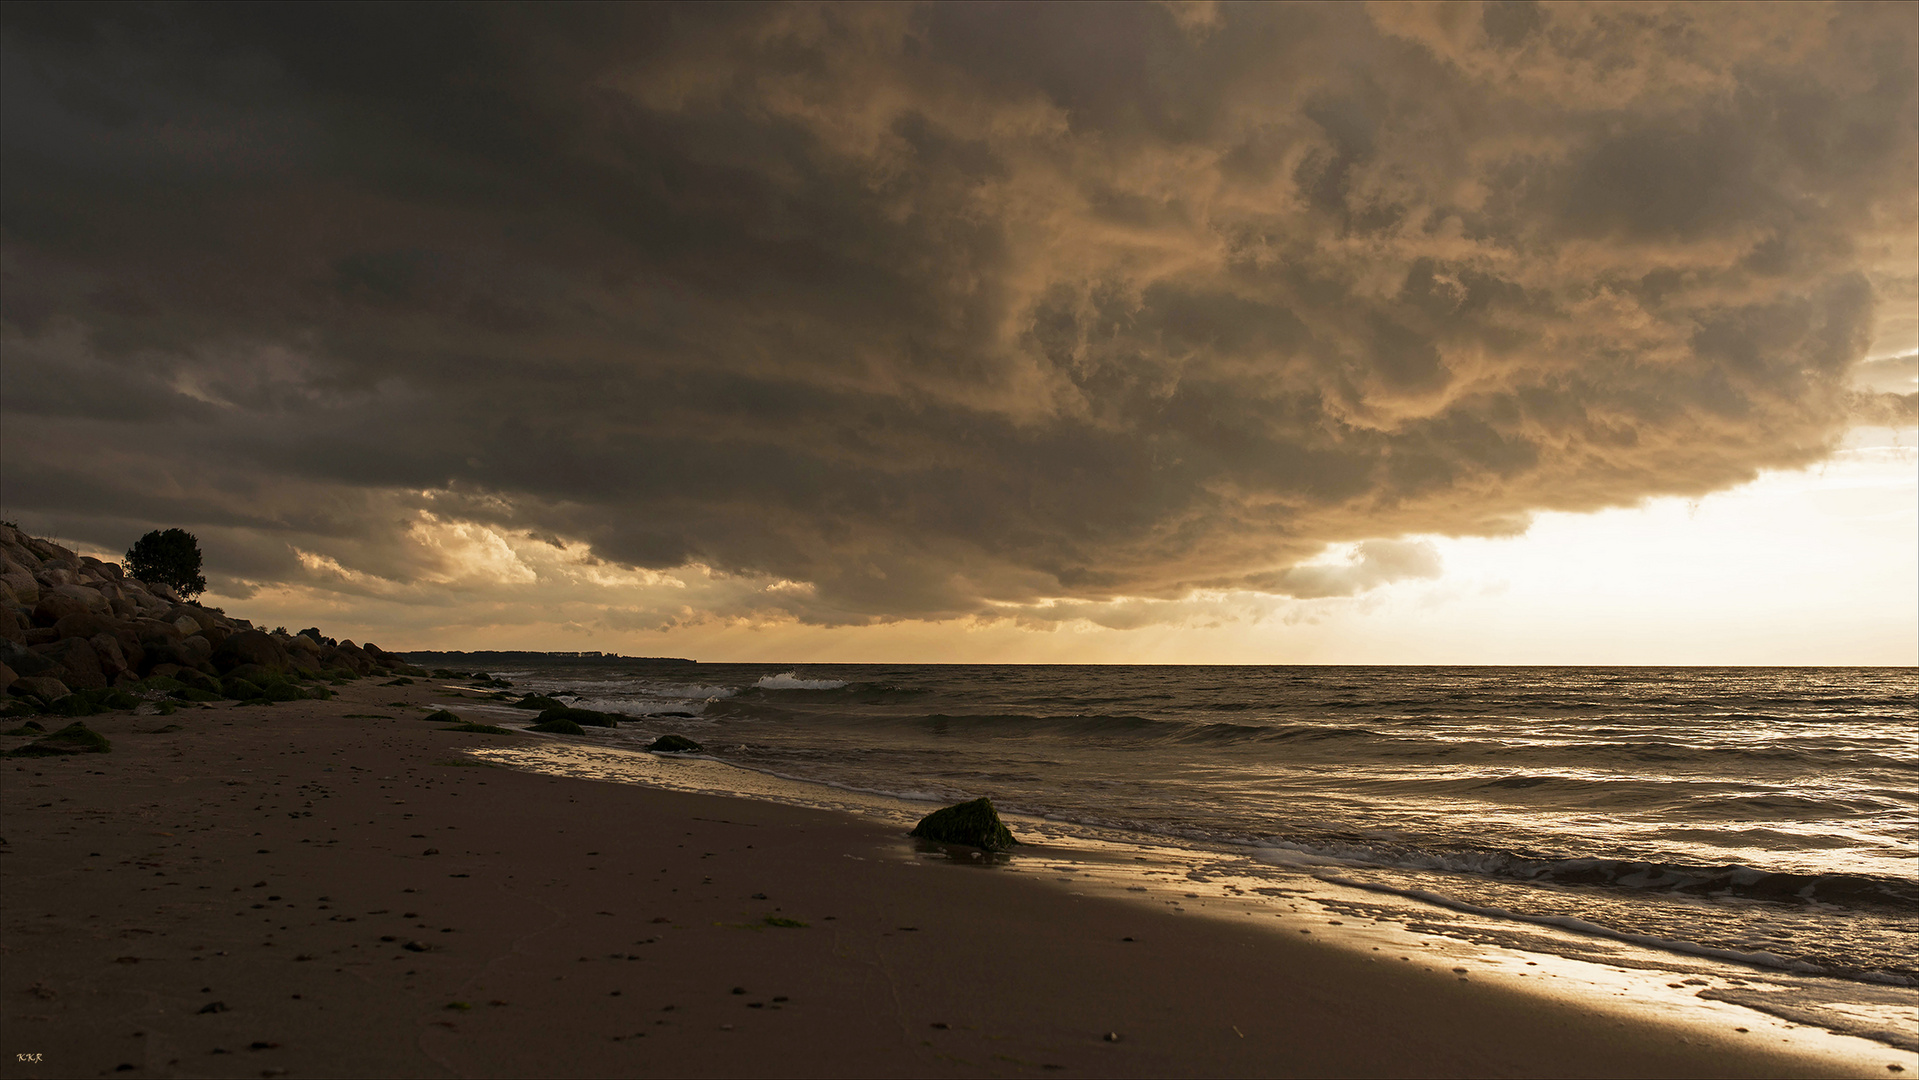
(337,888)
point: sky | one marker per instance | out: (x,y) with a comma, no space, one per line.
(1407,333)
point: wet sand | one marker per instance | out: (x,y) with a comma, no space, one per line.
(336,888)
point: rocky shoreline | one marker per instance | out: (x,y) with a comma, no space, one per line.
(78,636)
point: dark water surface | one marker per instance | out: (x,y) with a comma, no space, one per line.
(1761,815)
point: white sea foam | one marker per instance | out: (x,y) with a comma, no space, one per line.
(786,681)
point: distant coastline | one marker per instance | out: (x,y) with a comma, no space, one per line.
(496,657)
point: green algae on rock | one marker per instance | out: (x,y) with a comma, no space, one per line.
(75,738)
(587,717)
(558,727)
(975,824)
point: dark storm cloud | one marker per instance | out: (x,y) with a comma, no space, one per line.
(932,309)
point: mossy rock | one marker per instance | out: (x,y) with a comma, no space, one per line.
(199,680)
(241,690)
(120,699)
(31,727)
(188,693)
(676,744)
(78,704)
(975,824)
(444,673)
(162,684)
(19,707)
(586,717)
(75,738)
(282,691)
(535,701)
(558,727)
(319,693)
(401,681)
(478,729)
(443,716)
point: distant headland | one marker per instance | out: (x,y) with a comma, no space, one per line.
(498,657)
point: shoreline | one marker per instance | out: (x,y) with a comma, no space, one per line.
(281,860)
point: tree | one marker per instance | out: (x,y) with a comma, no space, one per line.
(170,558)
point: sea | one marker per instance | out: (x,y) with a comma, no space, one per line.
(1761,822)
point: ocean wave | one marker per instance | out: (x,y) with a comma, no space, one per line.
(1730,880)
(786,681)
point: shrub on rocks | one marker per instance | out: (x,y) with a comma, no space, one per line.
(975,824)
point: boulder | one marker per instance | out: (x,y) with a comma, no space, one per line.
(79,665)
(675,744)
(23,585)
(47,689)
(197,680)
(347,655)
(59,602)
(7,675)
(113,661)
(975,824)
(194,652)
(108,570)
(250,647)
(13,624)
(84,624)
(257,674)
(187,625)
(151,631)
(24,660)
